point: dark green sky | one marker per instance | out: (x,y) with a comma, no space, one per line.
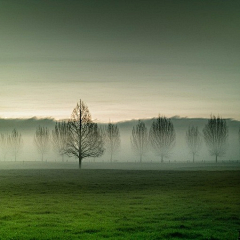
(126,59)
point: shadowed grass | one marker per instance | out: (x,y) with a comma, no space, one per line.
(115,204)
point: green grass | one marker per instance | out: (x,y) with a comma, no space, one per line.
(115,204)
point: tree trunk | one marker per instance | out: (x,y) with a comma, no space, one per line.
(80,163)
(162,158)
(111,157)
(193,157)
(216,158)
(140,158)
(80,136)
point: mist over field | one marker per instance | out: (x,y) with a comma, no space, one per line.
(180,152)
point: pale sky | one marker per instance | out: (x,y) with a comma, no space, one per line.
(124,59)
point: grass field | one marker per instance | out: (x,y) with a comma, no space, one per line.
(119,204)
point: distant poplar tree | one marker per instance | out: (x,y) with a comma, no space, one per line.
(60,136)
(42,140)
(112,139)
(215,135)
(162,136)
(85,138)
(15,142)
(4,144)
(139,139)
(193,140)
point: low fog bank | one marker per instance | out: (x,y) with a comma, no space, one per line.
(179,154)
(180,166)
(25,125)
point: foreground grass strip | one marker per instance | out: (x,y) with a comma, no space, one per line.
(115,204)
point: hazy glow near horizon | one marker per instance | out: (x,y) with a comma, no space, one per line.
(125,63)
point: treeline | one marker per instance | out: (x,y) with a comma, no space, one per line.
(80,137)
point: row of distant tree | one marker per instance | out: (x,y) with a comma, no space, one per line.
(81,137)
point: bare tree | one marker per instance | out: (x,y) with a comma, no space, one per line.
(60,138)
(215,135)
(4,144)
(15,142)
(85,138)
(193,140)
(139,139)
(42,140)
(162,136)
(112,139)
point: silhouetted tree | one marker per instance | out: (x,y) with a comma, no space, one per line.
(15,142)
(85,139)
(112,140)
(193,140)
(162,136)
(4,144)
(60,136)
(139,139)
(42,140)
(215,135)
